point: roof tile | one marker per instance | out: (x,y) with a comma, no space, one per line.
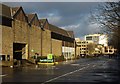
(30,17)
(58,30)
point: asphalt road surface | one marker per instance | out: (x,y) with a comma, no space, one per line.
(84,70)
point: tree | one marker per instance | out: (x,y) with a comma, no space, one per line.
(109,18)
(91,48)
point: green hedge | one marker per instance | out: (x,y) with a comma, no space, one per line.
(56,58)
(40,57)
(59,58)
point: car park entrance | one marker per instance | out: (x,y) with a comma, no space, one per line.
(19,53)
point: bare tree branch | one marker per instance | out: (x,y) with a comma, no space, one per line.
(109,18)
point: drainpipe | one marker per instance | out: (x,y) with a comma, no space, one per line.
(74,48)
(50,43)
(41,36)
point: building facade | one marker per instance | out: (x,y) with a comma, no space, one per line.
(82,47)
(109,50)
(101,40)
(65,40)
(97,38)
(23,35)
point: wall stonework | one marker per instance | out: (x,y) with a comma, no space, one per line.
(57,47)
(46,26)
(46,42)
(34,40)
(7,42)
(20,30)
(0,39)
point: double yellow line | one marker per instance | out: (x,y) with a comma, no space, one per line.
(48,63)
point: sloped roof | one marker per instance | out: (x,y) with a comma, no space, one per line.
(42,20)
(5,11)
(14,10)
(71,34)
(58,30)
(30,17)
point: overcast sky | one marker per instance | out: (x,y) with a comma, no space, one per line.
(74,16)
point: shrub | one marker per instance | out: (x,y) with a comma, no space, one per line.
(58,58)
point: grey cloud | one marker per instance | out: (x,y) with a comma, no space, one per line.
(63,14)
(67,9)
(84,27)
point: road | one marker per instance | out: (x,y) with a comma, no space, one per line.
(84,70)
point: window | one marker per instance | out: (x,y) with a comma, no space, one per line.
(8,57)
(5,21)
(110,50)
(83,42)
(2,57)
(106,50)
(89,38)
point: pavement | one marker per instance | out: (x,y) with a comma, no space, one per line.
(84,70)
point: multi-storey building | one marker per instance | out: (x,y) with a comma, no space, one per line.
(102,43)
(97,38)
(82,48)
(109,50)
(23,35)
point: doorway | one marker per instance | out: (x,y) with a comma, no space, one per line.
(18,52)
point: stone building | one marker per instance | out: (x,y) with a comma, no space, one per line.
(65,40)
(23,35)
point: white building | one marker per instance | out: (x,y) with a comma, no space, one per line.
(68,52)
(103,39)
(97,38)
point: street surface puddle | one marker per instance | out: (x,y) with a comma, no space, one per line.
(75,64)
(3,75)
(98,74)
